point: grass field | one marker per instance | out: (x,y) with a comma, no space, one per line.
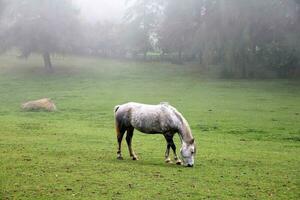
(247,133)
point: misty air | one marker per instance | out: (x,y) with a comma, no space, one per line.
(149,99)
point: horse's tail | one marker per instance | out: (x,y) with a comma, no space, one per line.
(116,121)
(116,108)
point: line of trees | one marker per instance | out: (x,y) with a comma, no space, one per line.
(240,38)
(243,38)
(44,27)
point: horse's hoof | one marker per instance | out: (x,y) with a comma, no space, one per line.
(120,158)
(178,162)
(135,158)
(168,161)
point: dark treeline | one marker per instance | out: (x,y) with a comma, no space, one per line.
(237,38)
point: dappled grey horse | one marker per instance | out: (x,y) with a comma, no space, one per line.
(152,119)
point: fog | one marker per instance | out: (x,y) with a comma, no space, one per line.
(237,39)
(101,10)
(218,80)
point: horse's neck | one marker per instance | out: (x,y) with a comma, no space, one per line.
(185,131)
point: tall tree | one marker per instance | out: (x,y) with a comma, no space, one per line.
(141,19)
(45,27)
(2,9)
(1,6)
(104,39)
(176,32)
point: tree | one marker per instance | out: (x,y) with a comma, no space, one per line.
(45,27)
(141,20)
(243,37)
(176,32)
(2,9)
(104,39)
(1,6)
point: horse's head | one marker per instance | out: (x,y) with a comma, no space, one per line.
(188,151)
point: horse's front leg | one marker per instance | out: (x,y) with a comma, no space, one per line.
(178,161)
(169,139)
(129,136)
(167,154)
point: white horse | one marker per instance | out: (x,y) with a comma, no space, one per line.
(151,119)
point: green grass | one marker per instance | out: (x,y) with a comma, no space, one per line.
(247,133)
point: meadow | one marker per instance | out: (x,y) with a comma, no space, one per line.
(247,133)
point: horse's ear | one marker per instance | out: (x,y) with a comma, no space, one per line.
(192,141)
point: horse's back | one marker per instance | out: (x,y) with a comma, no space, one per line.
(147,118)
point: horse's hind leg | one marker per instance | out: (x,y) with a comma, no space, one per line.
(129,136)
(167,153)
(120,133)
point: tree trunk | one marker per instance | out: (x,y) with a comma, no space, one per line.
(47,61)
(244,71)
(179,57)
(145,55)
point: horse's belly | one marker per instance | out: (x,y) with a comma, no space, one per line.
(147,131)
(147,125)
(150,130)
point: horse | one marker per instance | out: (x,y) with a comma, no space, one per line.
(155,119)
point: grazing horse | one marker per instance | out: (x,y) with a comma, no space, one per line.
(152,119)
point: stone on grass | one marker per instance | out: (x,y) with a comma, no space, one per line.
(45,104)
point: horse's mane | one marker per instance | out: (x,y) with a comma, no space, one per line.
(164,103)
(186,132)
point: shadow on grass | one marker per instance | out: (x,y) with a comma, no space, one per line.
(149,163)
